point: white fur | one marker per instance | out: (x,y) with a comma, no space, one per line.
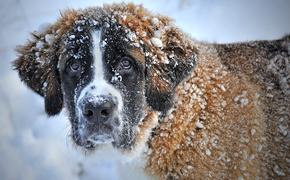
(102,87)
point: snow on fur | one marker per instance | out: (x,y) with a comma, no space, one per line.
(230,117)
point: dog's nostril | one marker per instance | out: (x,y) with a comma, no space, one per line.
(89,113)
(105,113)
(99,111)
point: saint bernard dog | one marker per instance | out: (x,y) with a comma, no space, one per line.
(132,79)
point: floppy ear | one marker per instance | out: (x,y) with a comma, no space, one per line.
(38,59)
(37,68)
(162,77)
(53,98)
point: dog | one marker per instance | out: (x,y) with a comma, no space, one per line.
(131,78)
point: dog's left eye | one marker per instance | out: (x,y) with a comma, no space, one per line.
(125,63)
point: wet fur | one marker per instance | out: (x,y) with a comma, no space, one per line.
(215,111)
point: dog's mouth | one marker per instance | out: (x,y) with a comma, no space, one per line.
(96,140)
(100,139)
(91,137)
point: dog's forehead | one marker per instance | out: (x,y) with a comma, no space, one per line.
(79,41)
(136,28)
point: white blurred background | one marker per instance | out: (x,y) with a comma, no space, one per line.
(33,146)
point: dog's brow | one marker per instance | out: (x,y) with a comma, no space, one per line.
(137,54)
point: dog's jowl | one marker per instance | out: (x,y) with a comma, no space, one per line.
(132,79)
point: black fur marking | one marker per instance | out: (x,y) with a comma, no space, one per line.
(159,101)
(131,85)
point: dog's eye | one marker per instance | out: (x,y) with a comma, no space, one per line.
(75,66)
(125,63)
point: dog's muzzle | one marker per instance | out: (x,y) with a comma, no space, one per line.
(99,119)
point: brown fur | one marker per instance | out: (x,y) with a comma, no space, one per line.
(227,93)
(138,20)
(137,54)
(26,63)
(39,71)
(231,115)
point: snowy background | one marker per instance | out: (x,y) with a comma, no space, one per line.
(33,146)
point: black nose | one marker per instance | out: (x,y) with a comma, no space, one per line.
(99,109)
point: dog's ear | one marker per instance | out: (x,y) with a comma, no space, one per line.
(53,97)
(37,68)
(38,59)
(172,65)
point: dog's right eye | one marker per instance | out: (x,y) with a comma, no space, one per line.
(75,66)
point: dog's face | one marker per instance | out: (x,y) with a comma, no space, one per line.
(107,78)
(103,82)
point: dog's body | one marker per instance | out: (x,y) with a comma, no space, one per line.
(230,116)
(133,79)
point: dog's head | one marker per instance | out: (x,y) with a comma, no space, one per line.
(109,67)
